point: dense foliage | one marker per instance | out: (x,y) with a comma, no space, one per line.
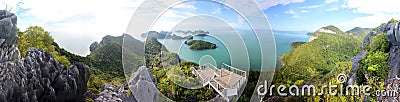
(374,66)
(38,38)
(296,44)
(106,61)
(162,63)
(312,60)
(176,92)
(200,45)
(359,32)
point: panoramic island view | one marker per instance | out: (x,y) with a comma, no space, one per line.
(199,50)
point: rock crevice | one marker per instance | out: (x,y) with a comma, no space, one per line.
(38,77)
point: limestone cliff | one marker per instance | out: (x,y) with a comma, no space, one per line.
(38,77)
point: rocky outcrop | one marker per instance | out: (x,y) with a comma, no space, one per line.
(8,36)
(354,62)
(393,36)
(143,85)
(321,30)
(93,46)
(38,77)
(111,94)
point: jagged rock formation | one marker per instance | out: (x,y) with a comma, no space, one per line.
(393,36)
(141,84)
(8,36)
(354,63)
(328,29)
(38,77)
(356,59)
(93,46)
(111,94)
(143,87)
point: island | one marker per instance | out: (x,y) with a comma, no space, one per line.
(200,45)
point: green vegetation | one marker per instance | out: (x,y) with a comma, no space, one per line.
(334,29)
(251,85)
(107,57)
(393,21)
(176,92)
(374,67)
(38,38)
(312,60)
(359,32)
(162,62)
(105,61)
(319,62)
(296,44)
(200,45)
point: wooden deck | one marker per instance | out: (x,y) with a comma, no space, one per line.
(227,80)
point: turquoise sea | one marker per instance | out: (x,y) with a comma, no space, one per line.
(283,39)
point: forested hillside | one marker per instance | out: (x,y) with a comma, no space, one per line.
(312,60)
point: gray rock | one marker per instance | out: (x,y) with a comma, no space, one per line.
(394,61)
(93,46)
(397,35)
(110,94)
(8,36)
(143,87)
(8,28)
(38,77)
(355,66)
(30,79)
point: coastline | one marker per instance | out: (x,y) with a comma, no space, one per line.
(280,58)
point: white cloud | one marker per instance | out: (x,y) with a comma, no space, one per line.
(265,4)
(330,1)
(326,2)
(304,11)
(174,14)
(290,12)
(293,13)
(216,11)
(373,6)
(379,11)
(189,6)
(367,21)
(75,24)
(333,9)
(313,6)
(9,5)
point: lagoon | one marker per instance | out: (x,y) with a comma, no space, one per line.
(283,39)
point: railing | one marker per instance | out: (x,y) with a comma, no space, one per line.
(222,90)
(203,80)
(234,70)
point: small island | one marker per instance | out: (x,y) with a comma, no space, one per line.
(200,45)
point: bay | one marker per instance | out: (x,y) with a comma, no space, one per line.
(221,54)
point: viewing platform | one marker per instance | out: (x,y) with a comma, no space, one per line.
(226,80)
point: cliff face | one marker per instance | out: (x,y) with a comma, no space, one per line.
(8,36)
(38,77)
(393,36)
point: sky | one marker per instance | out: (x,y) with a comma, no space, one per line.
(75,24)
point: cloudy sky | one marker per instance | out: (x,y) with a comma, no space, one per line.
(75,24)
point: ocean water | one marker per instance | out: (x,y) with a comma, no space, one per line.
(245,51)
